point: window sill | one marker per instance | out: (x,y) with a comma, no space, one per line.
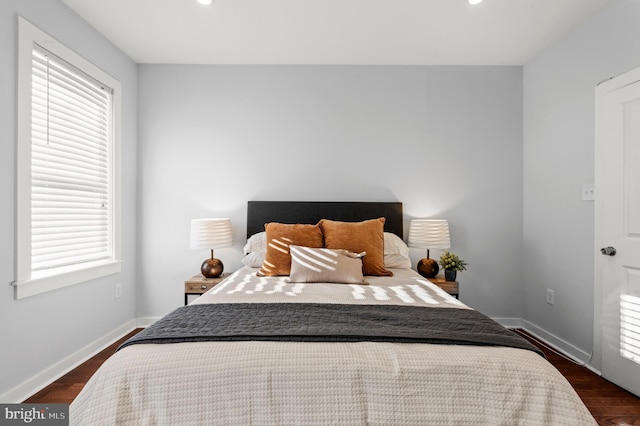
(39,285)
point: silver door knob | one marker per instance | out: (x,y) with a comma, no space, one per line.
(608,251)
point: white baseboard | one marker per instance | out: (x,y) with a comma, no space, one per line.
(59,369)
(146,321)
(562,346)
(62,367)
(509,322)
(565,348)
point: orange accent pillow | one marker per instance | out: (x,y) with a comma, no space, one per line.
(358,237)
(277,260)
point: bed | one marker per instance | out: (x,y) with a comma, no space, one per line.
(364,340)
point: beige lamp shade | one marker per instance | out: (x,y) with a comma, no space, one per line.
(429,234)
(211,234)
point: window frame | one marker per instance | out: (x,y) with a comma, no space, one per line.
(25,284)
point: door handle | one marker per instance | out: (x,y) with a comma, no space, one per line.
(608,251)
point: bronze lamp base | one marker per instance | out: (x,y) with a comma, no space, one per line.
(428,268)
(212,268)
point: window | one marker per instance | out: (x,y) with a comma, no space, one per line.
(68,214)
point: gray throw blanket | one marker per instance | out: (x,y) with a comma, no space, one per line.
(319,322)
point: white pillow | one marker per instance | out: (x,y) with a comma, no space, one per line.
(254,259)
(323,265)
(256,243)
(396,252)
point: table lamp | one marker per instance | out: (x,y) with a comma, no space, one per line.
(429,234)
(211,234)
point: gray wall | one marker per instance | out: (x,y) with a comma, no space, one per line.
(558,230)
(446,141)
(39,331)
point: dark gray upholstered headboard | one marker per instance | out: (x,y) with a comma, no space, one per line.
(261,212)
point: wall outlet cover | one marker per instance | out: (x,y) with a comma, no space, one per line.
(588,192)
(551,297)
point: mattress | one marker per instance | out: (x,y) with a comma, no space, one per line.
(322,382)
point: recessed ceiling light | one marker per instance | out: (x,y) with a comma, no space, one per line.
(205,2)
(475,1)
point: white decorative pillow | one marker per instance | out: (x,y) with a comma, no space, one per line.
(255,259)
(323,265)
(256,243)
(396,252)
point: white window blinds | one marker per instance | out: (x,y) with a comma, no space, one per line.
(71,170)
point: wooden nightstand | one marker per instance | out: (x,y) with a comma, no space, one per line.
(450,287)
(198,285)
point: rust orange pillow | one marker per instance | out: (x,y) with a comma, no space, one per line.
(277,260)
(358,237)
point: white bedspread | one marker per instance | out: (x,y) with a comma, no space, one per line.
(406,287)
(294,383)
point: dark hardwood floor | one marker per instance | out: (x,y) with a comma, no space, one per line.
(609,404)
(66,388)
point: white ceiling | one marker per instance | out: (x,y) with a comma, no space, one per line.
(378,32)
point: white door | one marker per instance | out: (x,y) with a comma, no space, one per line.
(618,228)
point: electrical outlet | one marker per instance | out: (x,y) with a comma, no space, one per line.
(588,192)
(118,290)
(551,297)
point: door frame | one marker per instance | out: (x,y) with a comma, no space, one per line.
(601,91)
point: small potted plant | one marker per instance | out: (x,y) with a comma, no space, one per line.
(451,264)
